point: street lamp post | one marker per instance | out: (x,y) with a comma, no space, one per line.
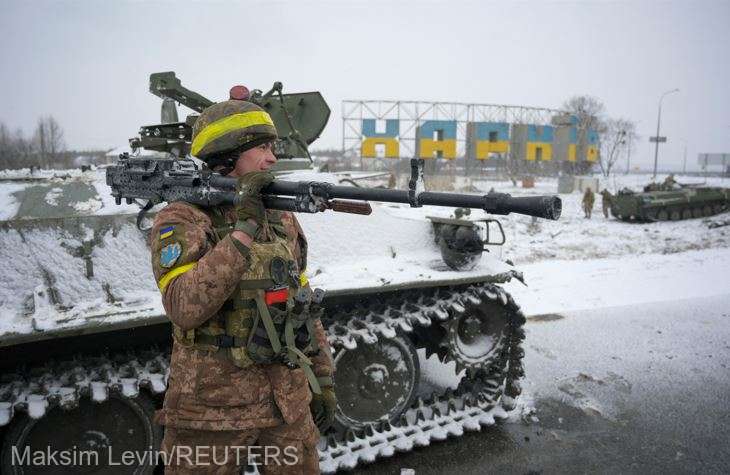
(628,156)
(658,121)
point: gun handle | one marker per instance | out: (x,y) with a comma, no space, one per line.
(354,207)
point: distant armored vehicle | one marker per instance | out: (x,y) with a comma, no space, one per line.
(84,341)
(663,202)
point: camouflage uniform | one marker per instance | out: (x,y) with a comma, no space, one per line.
(588,200)
(210,401)
(606,198)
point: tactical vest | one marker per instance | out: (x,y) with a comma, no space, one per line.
(261,323)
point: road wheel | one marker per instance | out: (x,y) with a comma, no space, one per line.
(697,212)
(375,381)
(717,209)
(707,210)
(662,215)
(675,215)
(96,433)
(686,213)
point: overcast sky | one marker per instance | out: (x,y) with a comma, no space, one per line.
(87,62)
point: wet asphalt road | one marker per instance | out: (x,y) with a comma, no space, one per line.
(648,394)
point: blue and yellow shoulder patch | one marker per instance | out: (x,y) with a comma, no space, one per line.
(166,232)
(170,254)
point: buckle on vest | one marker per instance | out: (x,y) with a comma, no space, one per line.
(224,341)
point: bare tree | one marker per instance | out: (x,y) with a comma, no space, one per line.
(589,111)
(48,140)
(16,151)
(591,115)
(615,136)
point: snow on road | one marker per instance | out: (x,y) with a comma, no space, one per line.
(602,334)
(661,357)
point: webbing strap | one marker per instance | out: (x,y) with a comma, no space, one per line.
(313,383)
(256,284)
(238,304)
(296,355)
(312,335)
(268,322)
(233,341)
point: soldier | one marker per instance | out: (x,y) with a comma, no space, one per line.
(606,198)
(243,357)
(669,182)
(588,199)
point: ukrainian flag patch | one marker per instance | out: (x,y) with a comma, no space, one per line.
(166,232)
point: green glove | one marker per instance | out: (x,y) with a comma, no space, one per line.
(323,408)
(248,196)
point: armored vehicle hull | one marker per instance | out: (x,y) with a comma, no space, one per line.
(670,205)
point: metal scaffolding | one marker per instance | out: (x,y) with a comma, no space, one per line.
(411,114)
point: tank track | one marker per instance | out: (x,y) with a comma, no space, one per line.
(481,397)
(63,384)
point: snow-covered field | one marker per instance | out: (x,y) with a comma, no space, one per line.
(574,237)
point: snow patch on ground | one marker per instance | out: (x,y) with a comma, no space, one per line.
(561,286)
(52,196)
(9,205)
(88,207)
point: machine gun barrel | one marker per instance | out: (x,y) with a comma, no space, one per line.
(548,207)
(158,180)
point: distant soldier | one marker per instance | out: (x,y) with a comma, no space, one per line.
(391,181)
(606,198)
(669,182)
(588,199)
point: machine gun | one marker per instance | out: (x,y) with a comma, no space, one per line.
(168,179)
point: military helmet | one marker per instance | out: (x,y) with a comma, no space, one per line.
(230,125)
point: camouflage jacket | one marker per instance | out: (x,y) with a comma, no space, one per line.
(205,390)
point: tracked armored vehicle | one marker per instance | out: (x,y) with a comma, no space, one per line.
(84,342)
(669,203)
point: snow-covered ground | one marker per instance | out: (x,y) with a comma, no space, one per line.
(574,237)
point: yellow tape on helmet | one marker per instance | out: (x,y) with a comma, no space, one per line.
(228,124)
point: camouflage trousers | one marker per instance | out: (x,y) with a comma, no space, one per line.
(284,449)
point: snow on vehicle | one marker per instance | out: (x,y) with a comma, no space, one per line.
(84,342)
